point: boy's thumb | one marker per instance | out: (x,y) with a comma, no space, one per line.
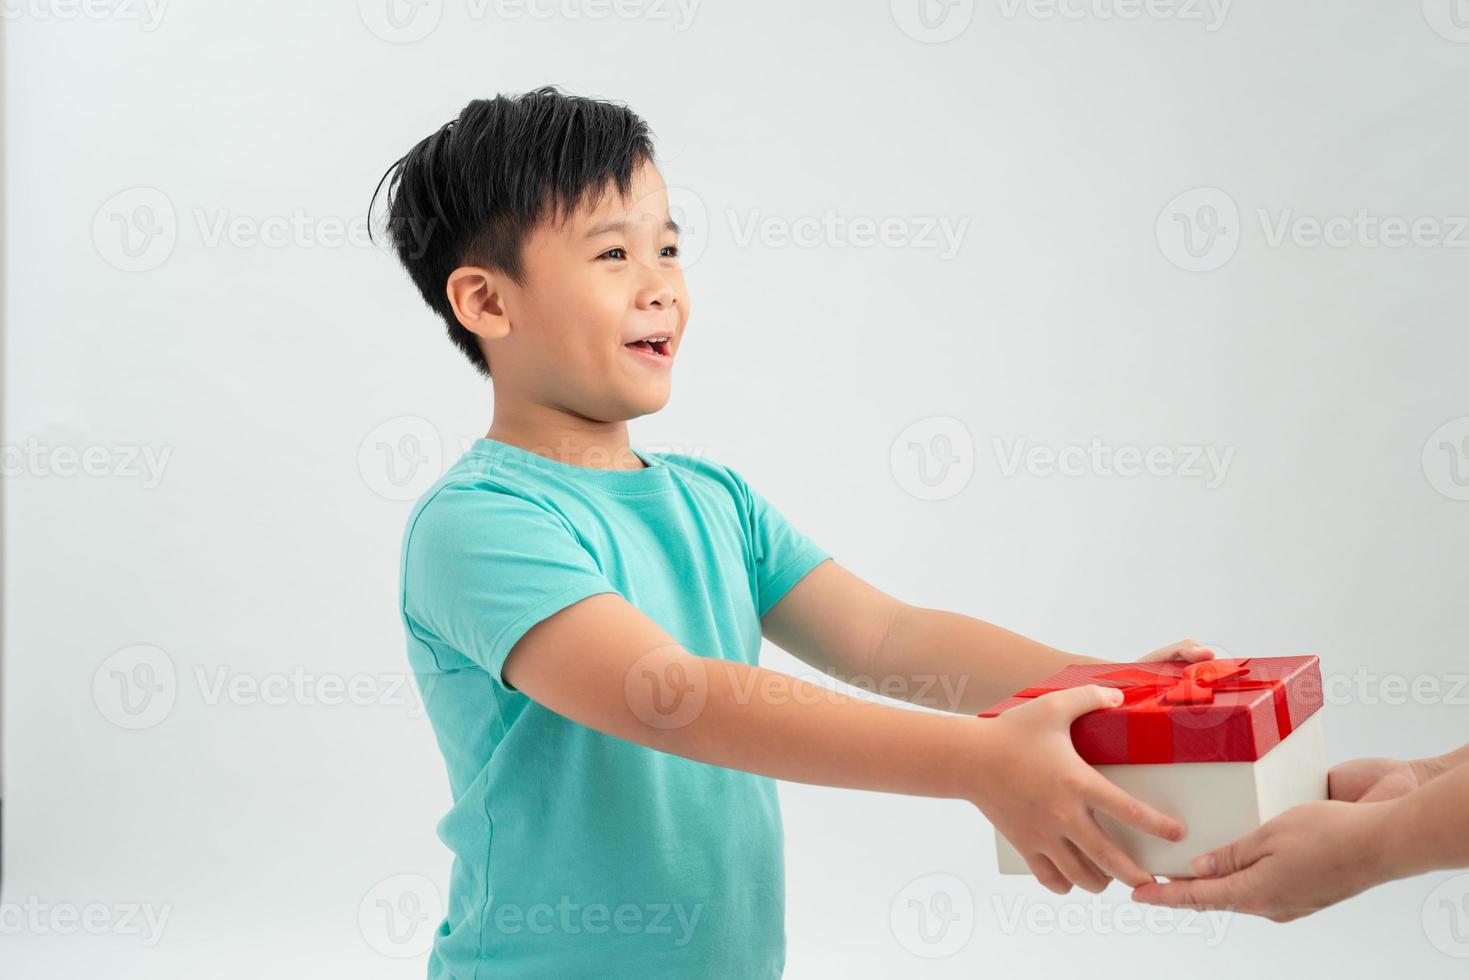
(1077,701)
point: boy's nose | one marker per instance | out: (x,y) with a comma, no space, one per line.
(658,294)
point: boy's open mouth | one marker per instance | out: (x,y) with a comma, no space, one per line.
(655,347)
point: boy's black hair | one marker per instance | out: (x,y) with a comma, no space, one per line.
(470,193)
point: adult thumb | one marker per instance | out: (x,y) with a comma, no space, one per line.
(1228,859)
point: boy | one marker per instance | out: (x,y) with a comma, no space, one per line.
(585,617)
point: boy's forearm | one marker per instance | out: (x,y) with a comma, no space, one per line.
(775,725)
(958,663)
(604,664)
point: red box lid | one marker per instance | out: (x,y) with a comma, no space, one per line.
(1214,711)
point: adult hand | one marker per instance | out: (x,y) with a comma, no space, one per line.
(1307,858)
(1373,780)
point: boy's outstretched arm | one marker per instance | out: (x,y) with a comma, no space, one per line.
(603,663)
(845,627)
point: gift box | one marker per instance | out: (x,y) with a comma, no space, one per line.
(1221,745)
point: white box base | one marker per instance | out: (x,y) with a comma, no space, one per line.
(1218,802)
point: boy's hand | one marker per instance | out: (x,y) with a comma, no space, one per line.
(1051,792)
(1184,651)
(1041,795)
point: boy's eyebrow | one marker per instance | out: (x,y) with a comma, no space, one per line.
(617,224)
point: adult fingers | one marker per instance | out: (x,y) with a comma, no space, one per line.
(1348,781)
(1189,893)
(1389,787)
(1232,857)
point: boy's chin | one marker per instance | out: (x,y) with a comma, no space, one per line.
(647,400)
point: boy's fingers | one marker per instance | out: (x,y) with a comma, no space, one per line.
(1077,701)
(1188,651)
(1193,654)
(1079,868)
(1134,812)
(1101,873)
(1111,858)
(1045,872)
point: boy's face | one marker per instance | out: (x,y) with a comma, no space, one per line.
(595,284)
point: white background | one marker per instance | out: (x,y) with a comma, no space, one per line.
(273,371)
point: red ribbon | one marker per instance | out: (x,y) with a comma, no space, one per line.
(1148,691)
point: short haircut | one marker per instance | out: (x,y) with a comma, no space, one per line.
(471,192)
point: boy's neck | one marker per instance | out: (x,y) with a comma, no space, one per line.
(597,445)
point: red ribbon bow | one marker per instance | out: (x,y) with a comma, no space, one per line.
(1147,690)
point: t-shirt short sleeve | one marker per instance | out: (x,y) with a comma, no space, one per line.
(783,553)
(482,566)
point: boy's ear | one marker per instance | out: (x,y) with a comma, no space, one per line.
(475,295)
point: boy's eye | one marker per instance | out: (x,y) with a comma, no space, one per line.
(618,252)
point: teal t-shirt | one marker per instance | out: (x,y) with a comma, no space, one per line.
(577,854)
